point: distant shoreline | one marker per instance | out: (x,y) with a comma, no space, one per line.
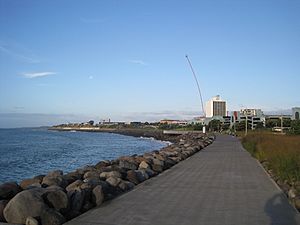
(134,132)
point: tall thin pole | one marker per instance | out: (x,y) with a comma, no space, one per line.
(281,124)
(197,83)
(246,125)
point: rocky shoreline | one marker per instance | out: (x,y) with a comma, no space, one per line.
(55,198)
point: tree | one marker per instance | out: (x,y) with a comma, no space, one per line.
(259,126)
(240,126)
(295,126)
(197,126)
(214,125)
(270,123)
(91,122)
(225,126)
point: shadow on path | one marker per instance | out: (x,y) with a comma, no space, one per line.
(280,212)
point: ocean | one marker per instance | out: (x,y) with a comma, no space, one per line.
(27,152)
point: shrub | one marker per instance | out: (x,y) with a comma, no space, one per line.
(282,153)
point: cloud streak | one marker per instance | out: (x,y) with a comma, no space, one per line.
(19,56)
(39,74)
(138,61)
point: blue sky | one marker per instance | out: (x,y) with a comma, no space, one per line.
(69,60)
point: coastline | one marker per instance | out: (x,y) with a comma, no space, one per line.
(134,132)
(61,197)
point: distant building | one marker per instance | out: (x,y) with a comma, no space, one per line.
(216,107)
(253,116)
(178,122)
(295,113)
(252,112)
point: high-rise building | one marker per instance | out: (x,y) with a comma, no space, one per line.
(216,107)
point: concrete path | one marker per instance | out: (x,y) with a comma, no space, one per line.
(222,184)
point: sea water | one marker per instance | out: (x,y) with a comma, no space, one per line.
(27,152)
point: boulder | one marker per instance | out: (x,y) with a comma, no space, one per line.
(157,166)
(9,190)
(3,203)
(71,177)
(102,164)
(87,206)
(137,176)
(113,181)
(57,200)
(74,186)
(128,165)
(150,172)
(26,203)
(31,221)
(51,217)
(159,157)
(105,175)
(39,177)
(144,165)
(91,174)
(98,195)
(76,199)
(29,182)
(169,163)
(90,183)
(126,185)
(55,173)
(54,180)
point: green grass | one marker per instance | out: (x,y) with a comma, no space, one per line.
(282,153)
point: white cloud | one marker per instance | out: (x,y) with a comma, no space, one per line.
(138,61)
(91,77)
(39,74)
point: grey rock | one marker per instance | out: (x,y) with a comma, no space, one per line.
(74,186)
(51,217)
(9,190)
(26,203)
(137,176)
(113,181)
(31,221)
(126,185)
(98,195)
(157,165)
(102,164)
(29,182)
(127,165)
(54,180)
(55,173)
(90,183)
(76,199)
(144,165)
(106,175)
(39,177)
(57,200)
(91,174)
(3,203)
(150,173)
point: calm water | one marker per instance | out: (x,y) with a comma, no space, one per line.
(27,152)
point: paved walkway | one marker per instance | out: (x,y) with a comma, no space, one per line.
(219,185)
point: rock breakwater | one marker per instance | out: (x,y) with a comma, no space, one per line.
(56,197)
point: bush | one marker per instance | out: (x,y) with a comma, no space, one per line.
(295,127)
(282,153)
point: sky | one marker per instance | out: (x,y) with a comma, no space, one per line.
(68,61)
